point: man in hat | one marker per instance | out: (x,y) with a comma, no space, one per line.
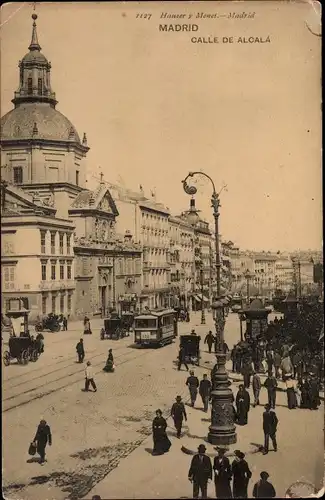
(89,377)
(193,332)
(200,472)
(271,384)
(222,473)
(270,423)
(209,339)
(241,474)
(42,437)
(192,383)
(256,383)
(80,351)
(178,412)
(181,358)
(263,488)
(205,391)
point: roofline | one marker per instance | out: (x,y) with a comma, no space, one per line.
(48,142)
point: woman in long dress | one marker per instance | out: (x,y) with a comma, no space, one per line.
(87,329)
(242,405)
(291,393)
(109,367)
(241,474)
(161,443)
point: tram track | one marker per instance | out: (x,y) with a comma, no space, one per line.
(56,389)
(7,381)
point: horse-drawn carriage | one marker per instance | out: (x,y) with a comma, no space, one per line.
(23,349)
(191,346)
(50,322)
(21,345)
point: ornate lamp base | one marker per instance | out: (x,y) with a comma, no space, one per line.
(222,429)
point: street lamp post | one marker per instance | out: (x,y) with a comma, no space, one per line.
(248,276)
(222,429)
(202,302)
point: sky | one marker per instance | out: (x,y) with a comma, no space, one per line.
(155,106)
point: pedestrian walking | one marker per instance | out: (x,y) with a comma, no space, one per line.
(80,351)
(89,377)
(313,392)
(242,405)
(161,442)
(291,393)
(241,475)
(269,361)
(256,383)
(222,473)
(181,358)
(109,366)
(297,365)
(178,413)
(277,363)
(270,424)
(205,391)
(87,327)
(209,339)
(65,324)
(263,488)
(271,384)
(42,437)
(286,367)
(247,372)
(200,472)
(192,383)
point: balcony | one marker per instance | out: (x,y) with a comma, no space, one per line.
(56,285)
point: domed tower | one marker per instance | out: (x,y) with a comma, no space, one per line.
(41,150)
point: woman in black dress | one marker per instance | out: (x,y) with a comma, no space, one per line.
(241,475)
(161,443)
(222,474)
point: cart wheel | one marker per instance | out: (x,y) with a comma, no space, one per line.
(33,356)
(24,357)
(56,328)
(6,358)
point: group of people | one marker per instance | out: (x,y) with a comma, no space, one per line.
(89,377)
(231,479)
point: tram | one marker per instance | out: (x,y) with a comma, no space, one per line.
(155,328)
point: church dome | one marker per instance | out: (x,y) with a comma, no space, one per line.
(34,56)
(50,123)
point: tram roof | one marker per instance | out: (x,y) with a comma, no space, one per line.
(155,314)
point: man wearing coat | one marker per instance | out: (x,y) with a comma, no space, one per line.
(222,473)
(205,390)
(192,383)
(80,351)
(178,412)
(42,437)
(271,385)
(200,472)
(241,474)
(242,405)
(270,423)
(256,383)
(209,339)
(181,358)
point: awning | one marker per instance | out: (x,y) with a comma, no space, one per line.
(198,297)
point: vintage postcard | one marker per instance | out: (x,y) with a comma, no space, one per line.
(162,325)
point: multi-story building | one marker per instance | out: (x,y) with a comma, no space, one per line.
(283,273)
(181,258)
(264,270)
(37,261)
(147,220)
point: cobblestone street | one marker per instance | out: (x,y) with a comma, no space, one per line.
(100,430)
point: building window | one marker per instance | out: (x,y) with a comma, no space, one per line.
(29,85)
(40,86)
(43,264)
(43,241)
(18,175)
(61,243)
(53,304)
(44,304)
(62,303)
(69,271)
(61,270)
(52,243)
(53,270)
(77,177)
(8,273)
(69,303)
(68,243)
